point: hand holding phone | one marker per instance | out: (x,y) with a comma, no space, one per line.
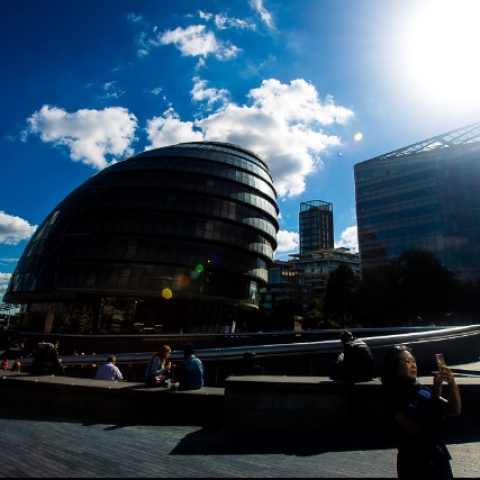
(440,361)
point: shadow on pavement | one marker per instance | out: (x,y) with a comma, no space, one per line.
(212,440)
(204,442)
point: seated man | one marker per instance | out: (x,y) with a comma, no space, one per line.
(191,374)
(109,371)
(356,363)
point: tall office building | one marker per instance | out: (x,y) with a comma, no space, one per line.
(316,226)
(424,196)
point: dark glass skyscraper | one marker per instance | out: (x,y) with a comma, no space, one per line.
(174,239)
(315,226)
(425,196)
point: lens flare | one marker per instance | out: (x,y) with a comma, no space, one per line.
(182,280)
(167,293)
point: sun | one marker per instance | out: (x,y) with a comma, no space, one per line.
(441,51)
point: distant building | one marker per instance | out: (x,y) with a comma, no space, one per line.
(424,196)
(175,239)
(284,283)
(315,226)
(315,267)
(305,275)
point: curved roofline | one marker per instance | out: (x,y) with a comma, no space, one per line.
(233,146)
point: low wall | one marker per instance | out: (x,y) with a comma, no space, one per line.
(105,401)
(281,404)
(247,405)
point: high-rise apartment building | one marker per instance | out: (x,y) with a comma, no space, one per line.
(315,225)
(424,196)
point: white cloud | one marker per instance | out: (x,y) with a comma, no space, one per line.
(349,239)
(201,93)
(8,260)
(134,18)
(265,15)
(287,242)
(284,125)
(205,15)
(90,135)
(223,21)
(4,279)
(197,41)
(14,229)
(157,90)
(169,130)
(112,90)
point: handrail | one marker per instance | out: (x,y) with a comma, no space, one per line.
(297,348)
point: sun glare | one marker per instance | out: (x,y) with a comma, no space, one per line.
(442,62)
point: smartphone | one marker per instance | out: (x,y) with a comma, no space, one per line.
(440,361)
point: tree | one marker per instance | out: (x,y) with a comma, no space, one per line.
(376,294)
(341,296)
(469,311)
(424,289)
(283,313)
(314,314)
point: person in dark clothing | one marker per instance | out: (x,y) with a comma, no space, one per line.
(249,365)
(417,415)
(356,363)
(46,360)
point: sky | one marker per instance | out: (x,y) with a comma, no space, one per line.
(313,87)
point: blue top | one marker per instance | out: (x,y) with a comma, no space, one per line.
(192,373)
(418,403)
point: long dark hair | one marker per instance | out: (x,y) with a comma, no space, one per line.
(391,362)
(162,353)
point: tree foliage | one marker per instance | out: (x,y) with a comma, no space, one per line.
(341,295)
(423,288)
(414,289)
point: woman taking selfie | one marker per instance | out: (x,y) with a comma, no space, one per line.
(417,414)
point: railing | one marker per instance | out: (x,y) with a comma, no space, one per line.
(376,339)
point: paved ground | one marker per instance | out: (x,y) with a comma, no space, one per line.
(37,448)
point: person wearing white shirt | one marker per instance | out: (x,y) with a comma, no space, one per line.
(109,371)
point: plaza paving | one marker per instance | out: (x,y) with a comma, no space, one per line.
(31,447)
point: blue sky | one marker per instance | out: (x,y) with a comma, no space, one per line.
(313,87)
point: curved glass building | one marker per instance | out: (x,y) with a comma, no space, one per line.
(175,239)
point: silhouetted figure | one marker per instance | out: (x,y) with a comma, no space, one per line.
(356,363)
(46,360)
(417,415)
(249,365)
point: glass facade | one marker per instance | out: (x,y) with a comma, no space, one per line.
(426,196)
(173,239)
(315,225)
